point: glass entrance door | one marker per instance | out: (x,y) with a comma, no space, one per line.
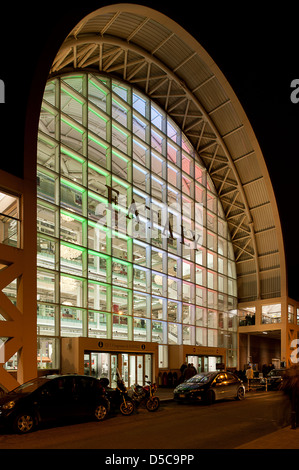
(204,363)
(113,373)
(135,367)
(101,365)
(195,361)
(132,367)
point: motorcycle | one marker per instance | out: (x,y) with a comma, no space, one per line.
(119,397)
(145,395)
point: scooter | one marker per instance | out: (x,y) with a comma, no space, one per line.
(118,397)
(145,395)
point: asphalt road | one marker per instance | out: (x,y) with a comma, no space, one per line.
(224,425)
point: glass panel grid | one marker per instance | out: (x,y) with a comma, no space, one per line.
(129,217)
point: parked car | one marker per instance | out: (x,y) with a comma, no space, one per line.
(210,386)
(52,398)
(274,378)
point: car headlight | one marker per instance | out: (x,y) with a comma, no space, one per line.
(9,405)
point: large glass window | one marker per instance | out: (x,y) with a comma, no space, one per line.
(9,220)
(131,241)
(271,313)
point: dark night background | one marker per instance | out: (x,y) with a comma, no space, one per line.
(255,47)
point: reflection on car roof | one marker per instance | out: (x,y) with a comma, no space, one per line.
(202,377)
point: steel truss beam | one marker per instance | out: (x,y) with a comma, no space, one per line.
(143,69)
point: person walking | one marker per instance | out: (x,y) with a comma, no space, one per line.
(182,370)
(189,372)
(183,367)
(249,375)
(290,388)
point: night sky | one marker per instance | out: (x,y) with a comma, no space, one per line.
(255,47)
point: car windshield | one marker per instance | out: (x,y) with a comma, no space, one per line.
(202,378)
(276,373)
(29,386)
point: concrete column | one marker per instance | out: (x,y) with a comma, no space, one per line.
(284,347)
(26,298)
(248,348)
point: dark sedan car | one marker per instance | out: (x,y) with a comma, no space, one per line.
(275,378)
(210,386)
(52,398)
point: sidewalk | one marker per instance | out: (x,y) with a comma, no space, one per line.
(165,393)
(284,438)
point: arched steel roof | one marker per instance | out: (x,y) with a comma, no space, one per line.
(152,52)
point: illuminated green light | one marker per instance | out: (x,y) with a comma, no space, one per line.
(119,208)
(71,154)
(74,247)
(120,105)
(71,124)
(70,77)
(71,95)
(48,107)
(72,185)
(96,85)
(97,169)
(122,183)
(46,139)
(97,114)
(121,261)
(73,216)
(121,235)
(116,288)
(97,197)
(120,130)
(96,253)
(76,278)
(102,284)
(122,157)
(97,141)
(98,226)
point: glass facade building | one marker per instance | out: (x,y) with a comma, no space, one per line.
(158,234)
(132,240)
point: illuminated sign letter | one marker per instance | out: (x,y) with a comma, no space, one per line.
(2,92)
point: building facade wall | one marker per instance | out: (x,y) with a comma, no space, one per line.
(132,240)
(54,321)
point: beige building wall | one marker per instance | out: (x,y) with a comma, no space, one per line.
(283,332)
(19,324)
(19,263)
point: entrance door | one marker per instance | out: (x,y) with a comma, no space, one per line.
(194,360)
(132,367)
(204,363)
(135,367)
(101,365)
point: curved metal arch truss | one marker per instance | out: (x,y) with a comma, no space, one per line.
(153,58)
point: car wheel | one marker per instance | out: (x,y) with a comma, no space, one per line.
(101,412)
(24,423)
(210,397)
(240,394)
